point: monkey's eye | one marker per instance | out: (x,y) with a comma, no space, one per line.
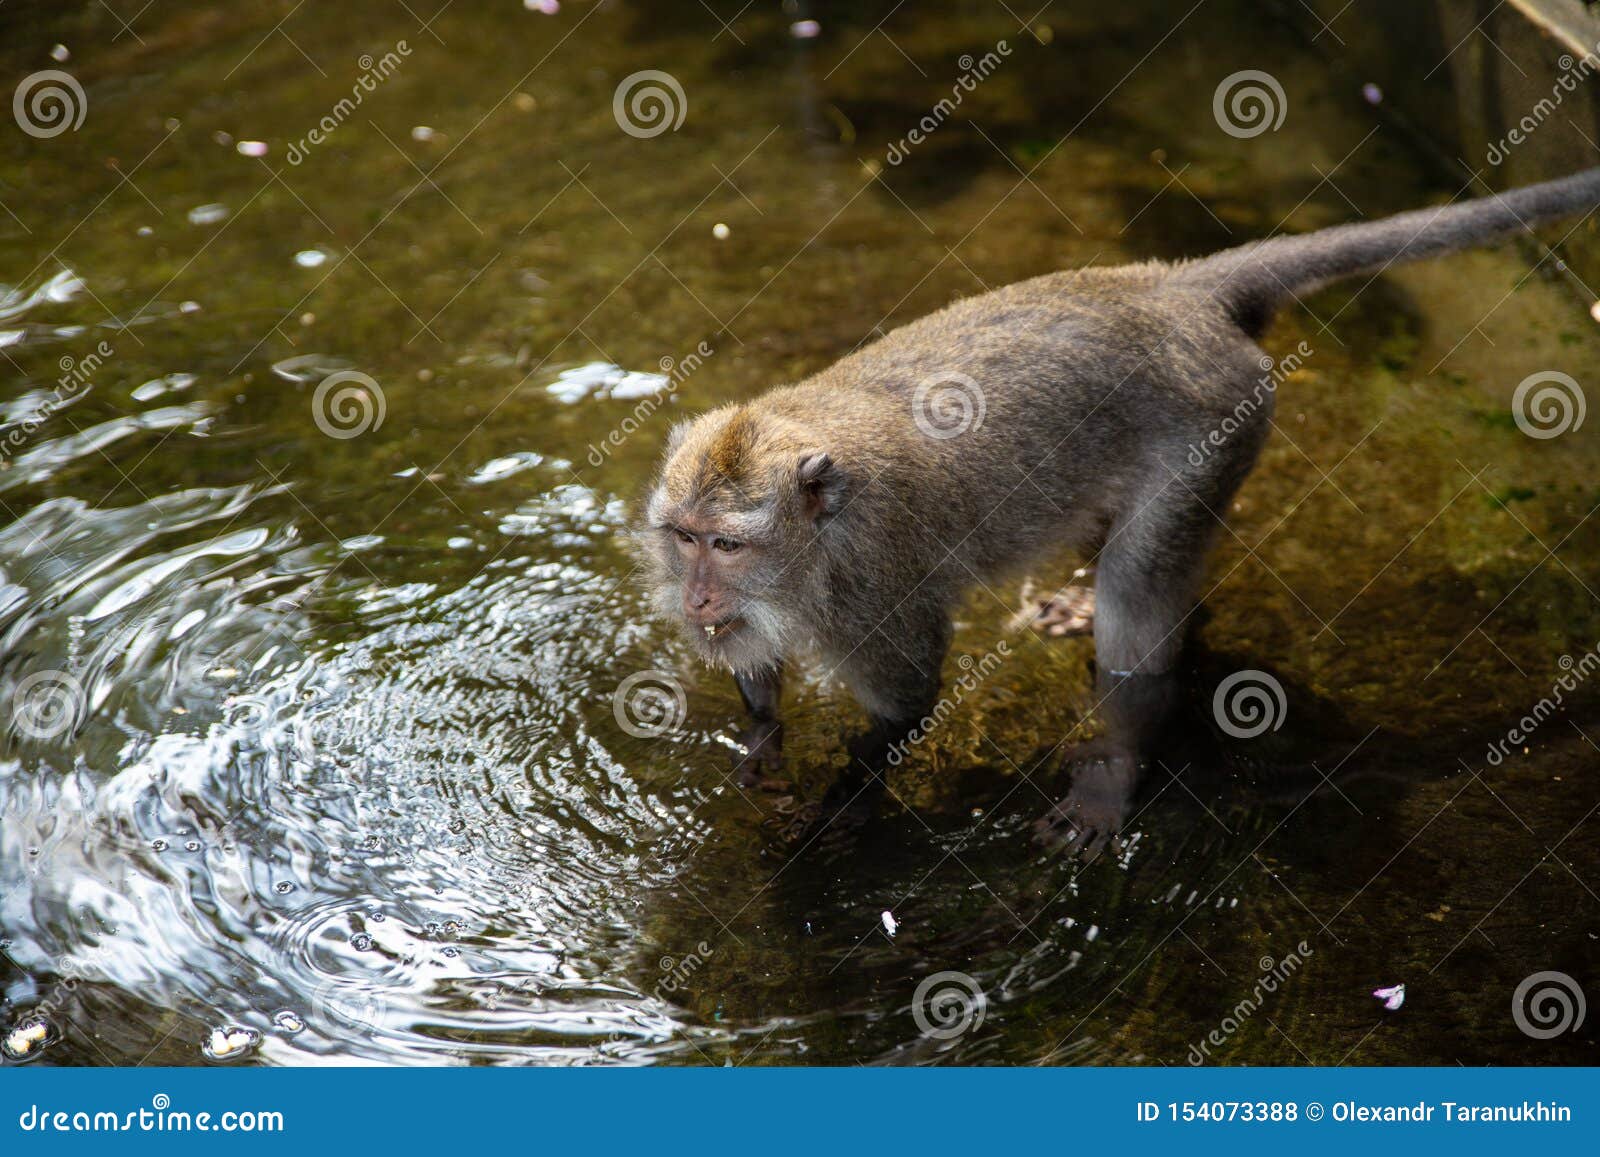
(683,535)
(725,545)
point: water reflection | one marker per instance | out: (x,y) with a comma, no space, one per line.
(311,750)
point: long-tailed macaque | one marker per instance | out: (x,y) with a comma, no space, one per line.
(846,516)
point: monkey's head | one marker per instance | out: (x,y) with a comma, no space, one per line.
(730,534)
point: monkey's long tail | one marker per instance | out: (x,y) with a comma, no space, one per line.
(1253,280)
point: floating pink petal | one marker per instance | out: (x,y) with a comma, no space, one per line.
(1392,997)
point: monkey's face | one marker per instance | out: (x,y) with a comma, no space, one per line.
(729,523)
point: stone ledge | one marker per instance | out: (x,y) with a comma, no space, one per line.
(1510,92)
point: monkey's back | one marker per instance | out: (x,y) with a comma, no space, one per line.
(1008,422)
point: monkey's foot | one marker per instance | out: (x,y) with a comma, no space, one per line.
(759,756)
(1089,820)
(1070,611)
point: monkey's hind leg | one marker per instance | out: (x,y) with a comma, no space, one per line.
(1148,579)
(1145,592)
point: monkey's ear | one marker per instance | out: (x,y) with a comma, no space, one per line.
(821,485)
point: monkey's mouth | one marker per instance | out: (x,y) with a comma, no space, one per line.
(715,631)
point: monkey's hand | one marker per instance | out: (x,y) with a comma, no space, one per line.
(759,755)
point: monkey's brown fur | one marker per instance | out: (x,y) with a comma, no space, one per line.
(844,526)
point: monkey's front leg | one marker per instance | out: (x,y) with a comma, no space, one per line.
(895,674)
(762,739)
(1138,711)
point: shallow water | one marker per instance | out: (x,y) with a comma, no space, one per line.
(336,758)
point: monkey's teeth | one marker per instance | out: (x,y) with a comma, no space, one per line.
(711,631)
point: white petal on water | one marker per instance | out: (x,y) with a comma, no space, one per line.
(230,1041)
(155,387)
(890,924)
(26,1037)
(639,385)
(498,468)
(604,380)
(208,214)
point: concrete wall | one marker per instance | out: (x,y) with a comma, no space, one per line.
(1511,92)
